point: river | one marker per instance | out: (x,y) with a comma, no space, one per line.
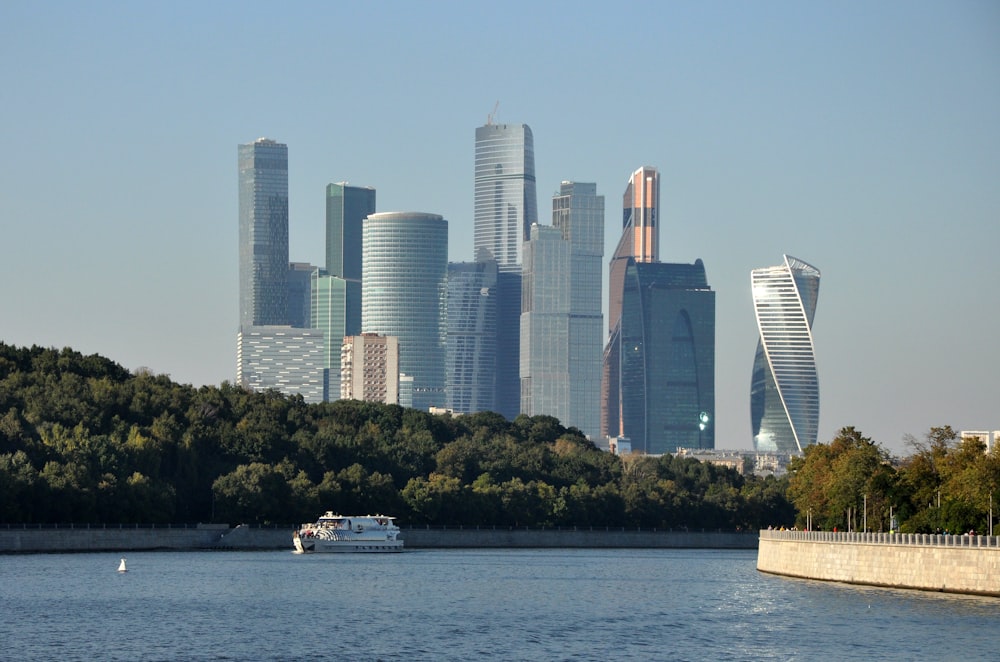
(467,604)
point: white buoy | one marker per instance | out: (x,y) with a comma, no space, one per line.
(121,566)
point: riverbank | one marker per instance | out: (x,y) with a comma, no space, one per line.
(122,538)
(950,564)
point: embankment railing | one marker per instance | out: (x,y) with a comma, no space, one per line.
(871,538)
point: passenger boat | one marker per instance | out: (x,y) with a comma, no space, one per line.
(348,533)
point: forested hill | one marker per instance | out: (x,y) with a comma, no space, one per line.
(82,439)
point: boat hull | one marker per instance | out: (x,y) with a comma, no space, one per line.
(347,546)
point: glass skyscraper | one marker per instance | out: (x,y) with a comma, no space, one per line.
(578,213)
(263,233)
(329,314)
(640,238)
(506,206)
(784,389)
(470,372)
(404,294)
(639,242)
(299,295)
(662,359)
(346,208)
(545,306)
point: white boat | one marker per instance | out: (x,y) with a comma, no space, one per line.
(121,566)
(348,533)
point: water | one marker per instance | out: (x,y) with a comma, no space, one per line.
(464,605)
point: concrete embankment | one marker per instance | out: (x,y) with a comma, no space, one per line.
(951,564)
(220,536)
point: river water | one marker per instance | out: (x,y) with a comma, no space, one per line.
(466,605)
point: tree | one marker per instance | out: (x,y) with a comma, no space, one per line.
(833,483)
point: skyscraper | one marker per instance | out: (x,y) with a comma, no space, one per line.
(639,242)
(578,213)
(263,233)
(545,307)
(470,371)
(506,206)
(346,208)
(663,359)
(299,295)
(328,309)
(404,294)
(784,388)
(640,238)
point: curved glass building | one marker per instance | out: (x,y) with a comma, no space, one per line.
(405,294)
(784,389)
(660,360)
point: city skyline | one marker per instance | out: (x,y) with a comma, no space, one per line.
(860,137)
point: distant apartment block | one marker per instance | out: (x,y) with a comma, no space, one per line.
(369,368)
(987,437)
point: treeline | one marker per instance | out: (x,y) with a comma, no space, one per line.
(84,440)
(948,485)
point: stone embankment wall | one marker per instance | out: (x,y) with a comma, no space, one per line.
(221,536)
(952,564)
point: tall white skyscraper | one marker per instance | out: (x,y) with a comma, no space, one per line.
(784,390)
(506,206)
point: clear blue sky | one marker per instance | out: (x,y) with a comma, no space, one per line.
(861,137)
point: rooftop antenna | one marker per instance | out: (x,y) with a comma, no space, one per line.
(492,116)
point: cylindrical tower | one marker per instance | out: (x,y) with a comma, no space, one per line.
(404,294)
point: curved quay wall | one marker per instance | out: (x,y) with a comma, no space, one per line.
(83,538)
(951,564)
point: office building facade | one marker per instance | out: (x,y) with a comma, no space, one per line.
(639,242)
(263,233)
(346,208)
(282,358)
(578,213)
(470,369)
(784,389)
(662,360)
(404,294)
(505,206)
(300,294)
(328,308)
(545,308)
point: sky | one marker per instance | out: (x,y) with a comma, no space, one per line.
(861,137)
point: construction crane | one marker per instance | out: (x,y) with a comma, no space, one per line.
(492,116)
